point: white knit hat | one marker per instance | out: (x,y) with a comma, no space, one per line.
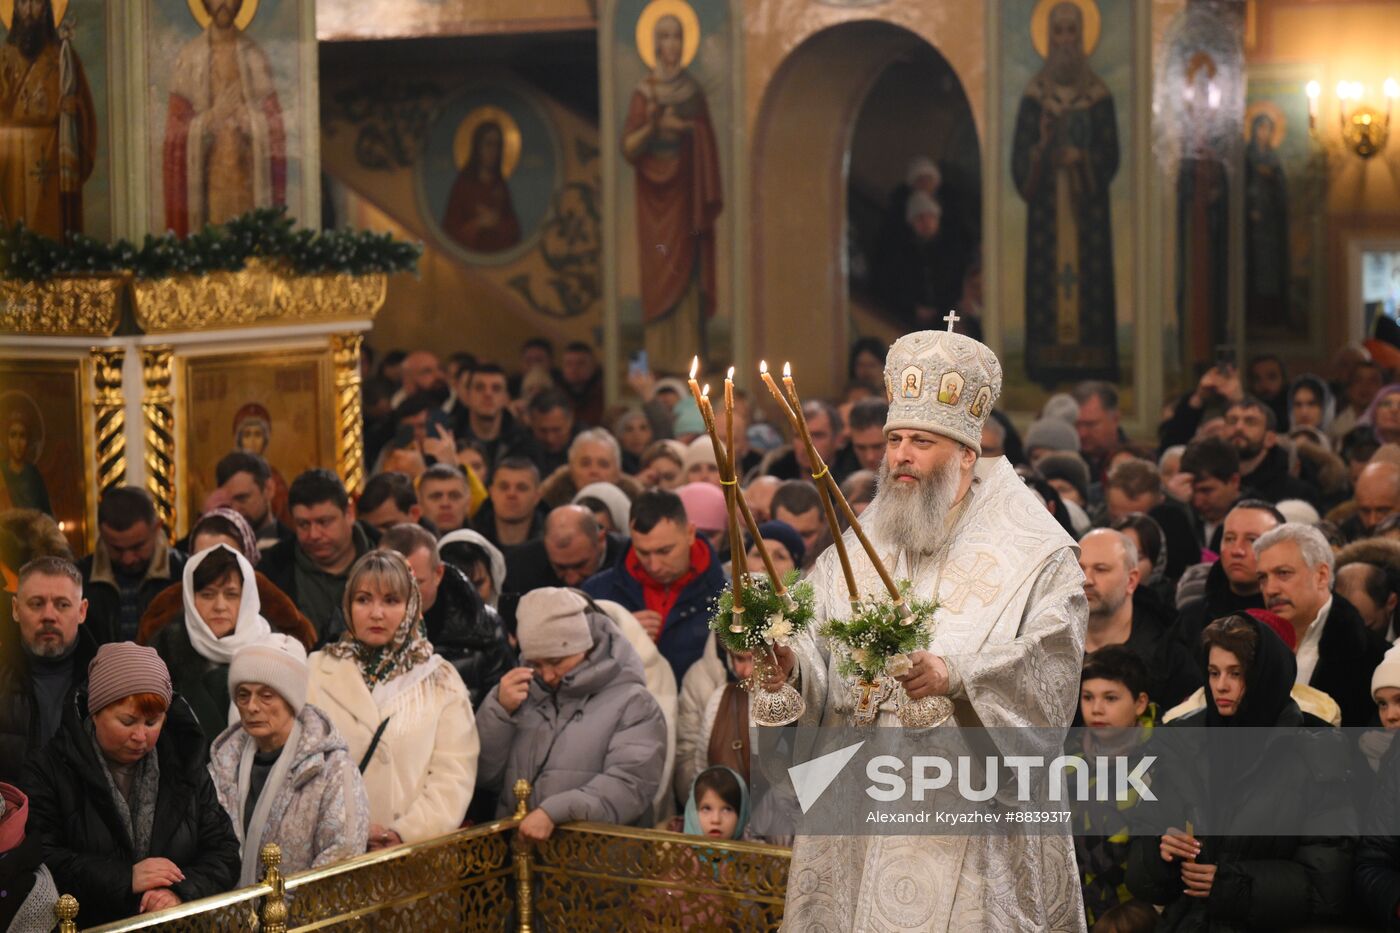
(552,622)
(278,661)
(1387,674)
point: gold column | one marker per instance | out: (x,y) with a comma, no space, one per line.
(350,425)
(524,864)
(274,911)
(158,409)
(109,417)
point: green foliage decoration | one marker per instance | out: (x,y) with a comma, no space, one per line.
(765,620)
(877,631)
(266,233)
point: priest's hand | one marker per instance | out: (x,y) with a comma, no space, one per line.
(927,677)
(786,662)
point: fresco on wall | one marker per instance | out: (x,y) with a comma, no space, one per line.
(488,172)
(671,68)
(225,131)
(1066,218)
(53,105)
(1198,96)
(1282,201)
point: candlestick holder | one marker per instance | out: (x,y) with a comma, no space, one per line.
(923,713)
(779,707)
(766,621)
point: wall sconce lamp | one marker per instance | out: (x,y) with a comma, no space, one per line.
(1364,130)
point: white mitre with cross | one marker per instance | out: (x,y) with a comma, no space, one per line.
(943,383)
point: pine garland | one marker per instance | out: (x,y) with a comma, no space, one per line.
(265,233)
(876,632)
(765,620)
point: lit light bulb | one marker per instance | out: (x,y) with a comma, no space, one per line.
(1391,88)
(1343,90)
(1314,90)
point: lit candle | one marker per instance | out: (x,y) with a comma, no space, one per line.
(694,386)
(777,393)
(707,413)
(827,485)
(819,474)
(729,480)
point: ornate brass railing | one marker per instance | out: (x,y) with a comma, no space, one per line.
(587,876)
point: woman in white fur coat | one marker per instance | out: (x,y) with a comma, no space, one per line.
(404,712)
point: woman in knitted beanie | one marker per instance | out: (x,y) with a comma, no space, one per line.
(121,799)
(282,771)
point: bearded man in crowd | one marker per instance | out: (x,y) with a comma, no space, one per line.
(1007,651)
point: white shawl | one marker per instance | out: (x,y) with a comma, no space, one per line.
(249,629)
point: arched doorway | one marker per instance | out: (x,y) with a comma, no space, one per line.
(856,98)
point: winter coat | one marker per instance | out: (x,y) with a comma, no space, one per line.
(468,634)
(422,774)
(1219,601)
(591,748)
(661,684)
(528,568)
(104,616)
(559,487)
(1171,668)
(705,677)
(1378,854)
(686,626)
(1347,656)
(279,565)
(19,719)
(318,815)
(202,683)
(86,845)
(277,608)
(1272,482)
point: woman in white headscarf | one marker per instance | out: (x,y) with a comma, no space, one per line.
(479,559)
(222,614)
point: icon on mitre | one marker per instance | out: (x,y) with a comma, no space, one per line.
(911,382)
(950,388)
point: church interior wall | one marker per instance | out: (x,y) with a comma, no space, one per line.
(1340,41)
(394,116)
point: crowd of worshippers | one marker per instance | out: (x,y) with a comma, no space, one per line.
(523,588)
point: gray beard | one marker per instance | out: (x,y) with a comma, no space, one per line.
(1066,68)
(914,517)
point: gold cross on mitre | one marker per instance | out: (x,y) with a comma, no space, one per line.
(952,318)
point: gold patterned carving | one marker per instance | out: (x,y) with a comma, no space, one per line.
(350,425)
(82,306)
(587,876)
(109,417)
(158,409)
(260,294)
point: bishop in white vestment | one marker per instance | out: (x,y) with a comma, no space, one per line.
(1007,649)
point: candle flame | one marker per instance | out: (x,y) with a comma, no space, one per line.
(787,370)
(730,377)
(763,367)
(694,366)
(706,391)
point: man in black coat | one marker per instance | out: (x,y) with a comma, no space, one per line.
(132,563)
(313,567)
(1231,583)
(43,660)
(573,548)
(1120,613)
(461,627)
(1336,652)
(1250,427)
